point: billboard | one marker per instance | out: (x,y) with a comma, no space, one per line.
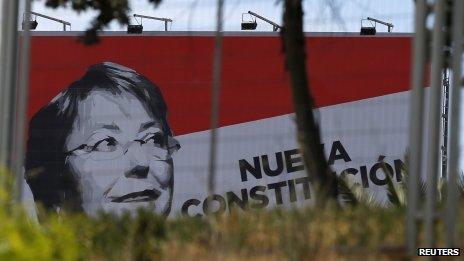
(125,123)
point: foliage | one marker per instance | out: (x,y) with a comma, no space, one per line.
(354,194)
(358,231)
(324,180)
(278,234)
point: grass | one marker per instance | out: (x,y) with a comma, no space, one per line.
(274,235)
(362,231)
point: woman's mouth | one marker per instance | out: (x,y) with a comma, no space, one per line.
(139,196)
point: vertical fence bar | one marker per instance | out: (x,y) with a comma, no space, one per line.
(4,26)
(9,77)
(451,208)
(434,121)
(217,64)
(22,93)
(445,123)
(416,118)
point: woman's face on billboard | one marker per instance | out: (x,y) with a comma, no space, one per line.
(119,155)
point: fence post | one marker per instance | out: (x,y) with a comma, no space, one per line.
(8,76)
(20,108)
(452,199)
(438,38)
(416,120)
(215,98)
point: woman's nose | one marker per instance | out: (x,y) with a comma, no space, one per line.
(137,157)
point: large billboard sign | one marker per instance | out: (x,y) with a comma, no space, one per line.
(125,123)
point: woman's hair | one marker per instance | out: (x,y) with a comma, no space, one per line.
(51,183)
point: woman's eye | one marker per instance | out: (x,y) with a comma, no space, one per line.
(157,140)
(106,145)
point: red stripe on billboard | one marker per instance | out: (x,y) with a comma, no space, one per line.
(254,82)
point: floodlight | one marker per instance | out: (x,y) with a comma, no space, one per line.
(251,25)
(32,25)
(248,24)
(134,29)
(371,30)
(165,20)
(368,30)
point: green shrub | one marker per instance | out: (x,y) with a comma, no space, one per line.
(359,231)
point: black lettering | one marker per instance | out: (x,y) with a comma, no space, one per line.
(399,167)
(186,206)
(267,169)
(289,161)
(278,192)
(342,154)
(364,179)
(349,171)
(374,170)
(233,199)
(209,202)
(264,200)
(291,188)
(305,182)
(255,170)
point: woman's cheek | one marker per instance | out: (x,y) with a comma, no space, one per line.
(99,173)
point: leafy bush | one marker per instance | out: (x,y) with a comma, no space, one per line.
(358,231)
(293,234)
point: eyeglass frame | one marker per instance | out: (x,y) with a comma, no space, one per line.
(168,139)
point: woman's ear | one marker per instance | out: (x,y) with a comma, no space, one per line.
(173,145)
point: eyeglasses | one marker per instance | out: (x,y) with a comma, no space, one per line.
(156,145)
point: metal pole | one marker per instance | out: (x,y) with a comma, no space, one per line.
(451,208)
(434,121)
(154,18)
(9,77)
(3,52)
(217,64)
(389,25)
(274,25)
(22,93)
(416,120)
(445,116)
(53,19)
(165,20)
